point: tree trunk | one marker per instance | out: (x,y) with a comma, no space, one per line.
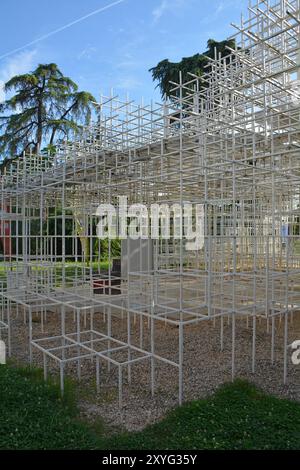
(84,241)
(39,133)
(55,129)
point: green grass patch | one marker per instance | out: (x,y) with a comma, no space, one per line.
(238,416)
(70,269)
(34,416)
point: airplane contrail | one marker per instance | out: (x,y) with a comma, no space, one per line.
(62,28)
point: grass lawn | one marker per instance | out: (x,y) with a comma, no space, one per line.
(70,265)
(73,271)
(238,416)
(33,416)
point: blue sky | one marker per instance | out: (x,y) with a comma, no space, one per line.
(114,48)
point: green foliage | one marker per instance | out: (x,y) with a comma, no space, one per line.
(115,248)
(167,71)
(33,416)
(238,416)
(53,224)
(44,106)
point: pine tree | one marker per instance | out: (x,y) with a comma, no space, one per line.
(45,106)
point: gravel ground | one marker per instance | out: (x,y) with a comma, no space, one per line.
(206,367)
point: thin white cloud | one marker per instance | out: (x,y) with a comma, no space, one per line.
(128,83)
(166,6)
(221,7)
(224,6)
(160,10)
(62,28)
(87,53)
(128,62)
(16,65)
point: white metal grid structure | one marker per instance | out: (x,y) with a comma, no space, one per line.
(229,141)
